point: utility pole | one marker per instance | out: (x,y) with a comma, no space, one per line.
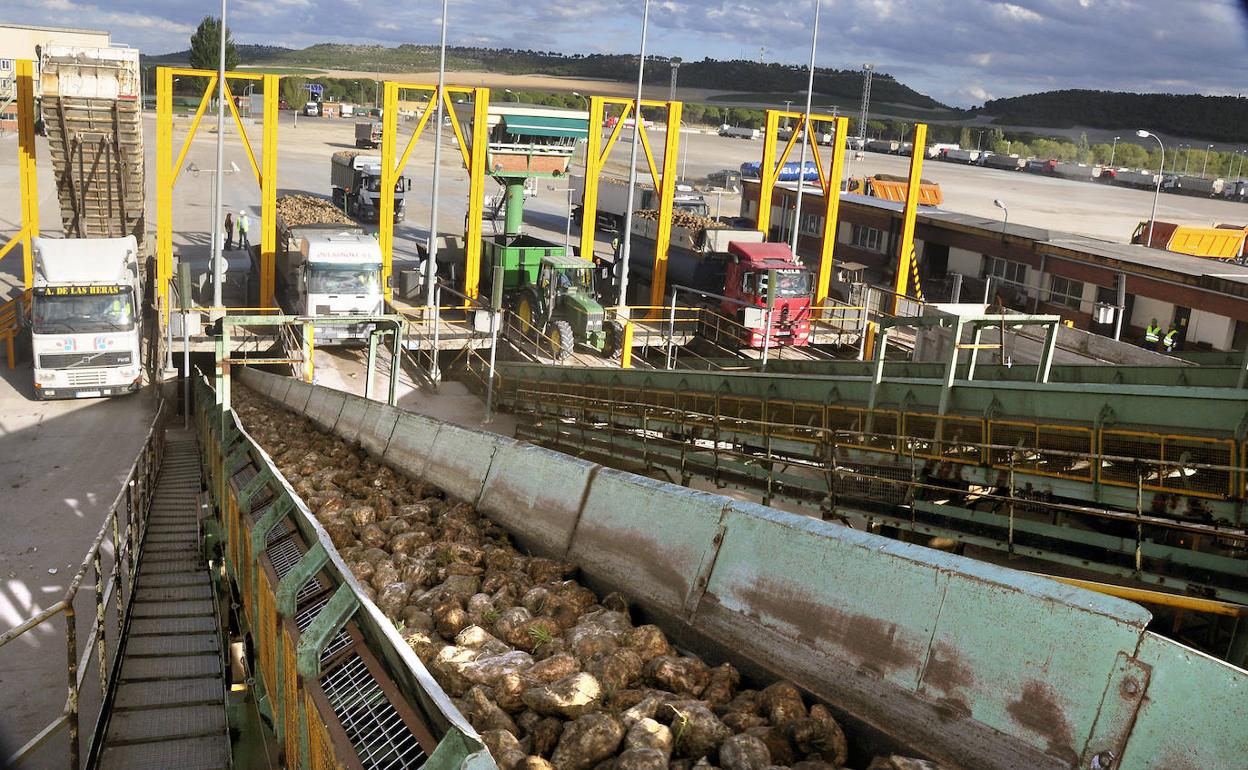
(218,196)
(431,264)
(675,62)
(801,168)
(626,246)
(1112,150)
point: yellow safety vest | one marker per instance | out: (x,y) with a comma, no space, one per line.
(1152,334)
(1170,338)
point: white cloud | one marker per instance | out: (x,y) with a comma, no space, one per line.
(1016,12)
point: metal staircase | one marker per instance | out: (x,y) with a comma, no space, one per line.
(169,705)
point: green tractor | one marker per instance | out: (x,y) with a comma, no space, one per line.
(560,305)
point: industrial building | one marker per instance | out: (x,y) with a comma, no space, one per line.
(1033,270)
(21,41)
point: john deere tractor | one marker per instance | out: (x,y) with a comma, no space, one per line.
(550,291)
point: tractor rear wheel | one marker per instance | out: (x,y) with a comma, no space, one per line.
(561,340)
(614,343)
(525,310)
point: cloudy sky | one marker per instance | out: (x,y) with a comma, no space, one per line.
(959,51)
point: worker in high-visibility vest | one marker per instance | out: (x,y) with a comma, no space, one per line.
(1171,339)
(1152,334)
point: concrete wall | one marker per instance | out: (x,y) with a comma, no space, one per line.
(1218,331)
(968,263)
(1052,680)
(1146,309)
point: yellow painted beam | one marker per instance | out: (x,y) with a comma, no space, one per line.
(666,186)
(183,72)
(655,176)
(242,132)
(1160,598)
(831,212)
(411,141)
(449,109)
(28,179)
(593,167)
(476,191)
(385,217)
(164,188)
(268,194)
(905,244)
(626,355)
(766,180)
(199,114)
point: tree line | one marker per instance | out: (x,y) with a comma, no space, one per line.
(1216,118)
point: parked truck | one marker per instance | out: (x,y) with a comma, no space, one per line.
(736,264)
(1002,161)
(1226,242)
(368,135)
(1193,185)
(356,183)
(326,266)
(91,110)
(740,132)
(895,188)
(613,200)
(84,317)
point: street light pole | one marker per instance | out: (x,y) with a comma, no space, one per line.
(1001,205)
(1112,150)
(788,106)
(1161,169)
(1205,165)
(1187,158)
(218,197)
(513,93)
(626,246)
(801,167)
(431,263)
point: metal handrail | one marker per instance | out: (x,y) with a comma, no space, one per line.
(132,502)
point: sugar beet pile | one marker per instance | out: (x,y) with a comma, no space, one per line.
(550,674)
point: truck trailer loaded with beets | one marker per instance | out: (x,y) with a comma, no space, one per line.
(613,200)
(356,183)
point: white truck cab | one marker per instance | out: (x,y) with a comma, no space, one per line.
(85,317)
(335,273)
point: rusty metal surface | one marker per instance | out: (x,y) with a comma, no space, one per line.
(974,664)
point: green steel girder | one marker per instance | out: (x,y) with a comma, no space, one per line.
(328,622)
(1207,410)
(260,531)
(304,569)
(252,488)
(1186,376)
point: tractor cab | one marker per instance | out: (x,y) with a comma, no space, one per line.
(560,304)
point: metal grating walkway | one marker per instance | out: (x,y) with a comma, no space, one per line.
(169,707)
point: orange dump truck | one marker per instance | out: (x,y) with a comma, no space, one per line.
(893,188)
(1221,242)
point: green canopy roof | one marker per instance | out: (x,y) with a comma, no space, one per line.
(541,125)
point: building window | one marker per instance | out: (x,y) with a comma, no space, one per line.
(812,224)
(1063,291)
(1005,271)
(6,65)
(868,238)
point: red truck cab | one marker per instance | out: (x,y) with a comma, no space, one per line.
(745,280)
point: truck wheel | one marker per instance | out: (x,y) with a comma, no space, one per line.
(524,315)
(561,340)
(614,332)
(578,214)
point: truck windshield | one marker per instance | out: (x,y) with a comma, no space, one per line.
(694,207)
(343,280)
(371,183)
(83,313)
(789,283)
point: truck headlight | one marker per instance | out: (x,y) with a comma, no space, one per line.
(45,376)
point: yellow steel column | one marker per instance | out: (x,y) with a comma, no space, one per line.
(593,167)
(831,211)
(385,219)
(905,244)
(626,355)
(164,186)
(667,193)
(28,181)
(767,179)
(476,191)
(268,193)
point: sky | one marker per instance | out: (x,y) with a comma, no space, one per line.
(961,52)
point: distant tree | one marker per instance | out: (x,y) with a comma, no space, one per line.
(206,46)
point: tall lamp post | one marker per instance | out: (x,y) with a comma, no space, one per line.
(1113,148)
(218,194)
(431,264)
(801,168)
(626,247)
(1001,205)
(1205,165)
(1160,170)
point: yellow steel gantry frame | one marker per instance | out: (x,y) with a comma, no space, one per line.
(596,154)
(829,183)
(27,181)
(474,161)
(167,170)
(905,245)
